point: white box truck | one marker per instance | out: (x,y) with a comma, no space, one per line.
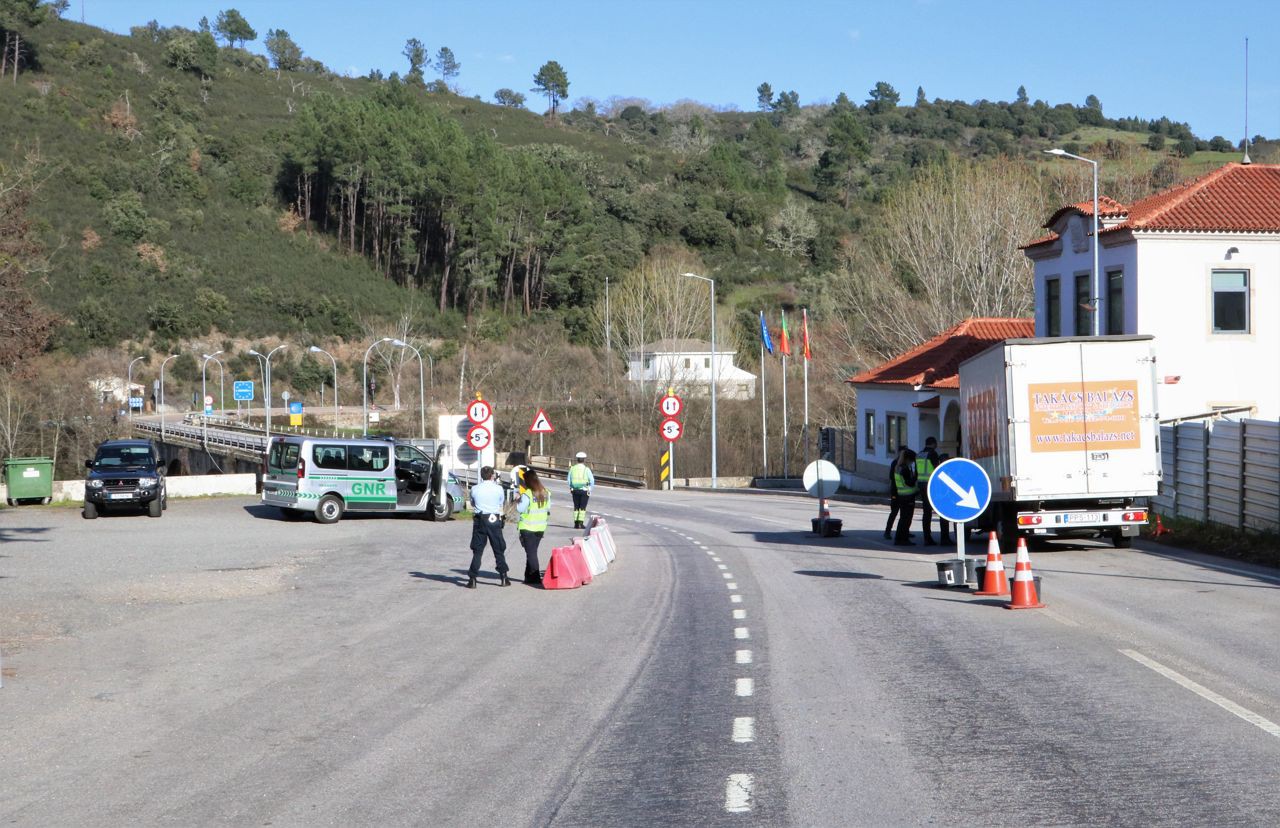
(1068,431)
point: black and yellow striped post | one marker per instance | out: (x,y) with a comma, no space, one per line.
(664,474)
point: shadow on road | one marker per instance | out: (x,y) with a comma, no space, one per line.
(457,579)
(831,573)
(22,533)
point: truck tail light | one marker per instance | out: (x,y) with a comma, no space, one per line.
(1030,520)
(302,467)
(1134,517)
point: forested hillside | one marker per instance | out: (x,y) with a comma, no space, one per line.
(169,188)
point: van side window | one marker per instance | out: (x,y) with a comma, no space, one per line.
(329,457)
(368,458)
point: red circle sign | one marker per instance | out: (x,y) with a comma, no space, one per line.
(479,411)
(671,405)
(479,437)
(671,430)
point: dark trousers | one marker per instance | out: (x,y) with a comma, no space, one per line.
(906,510)
(530,540)
(580,498)
(893,513)
(926,519)
(485,531)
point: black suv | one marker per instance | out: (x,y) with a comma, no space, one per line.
(125,473)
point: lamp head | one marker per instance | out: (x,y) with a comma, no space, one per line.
(399,343)
(255,353)
(313,349)
(1055,151)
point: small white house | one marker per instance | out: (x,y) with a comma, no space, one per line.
(916,395)
(1196,266)
(686,364)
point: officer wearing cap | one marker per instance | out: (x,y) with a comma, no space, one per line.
(487,501)
(581,481)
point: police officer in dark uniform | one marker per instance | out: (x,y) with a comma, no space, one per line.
(487,500)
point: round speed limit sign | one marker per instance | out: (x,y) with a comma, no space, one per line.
(671,430)
(479,411)
(479,437)
(671,405)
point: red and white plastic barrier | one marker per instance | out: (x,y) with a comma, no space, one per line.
(577,564)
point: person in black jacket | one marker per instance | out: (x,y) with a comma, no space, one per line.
(893,496)
(904,484)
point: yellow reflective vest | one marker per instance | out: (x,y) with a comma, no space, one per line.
(534,519)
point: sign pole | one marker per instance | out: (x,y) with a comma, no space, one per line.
(764,417)
(671,480)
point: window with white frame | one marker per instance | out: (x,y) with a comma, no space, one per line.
(1230,301)
(896,428)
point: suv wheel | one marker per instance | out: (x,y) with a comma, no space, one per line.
(155,508)
(90,511)
(329,509)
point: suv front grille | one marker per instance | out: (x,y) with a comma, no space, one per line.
(121,483)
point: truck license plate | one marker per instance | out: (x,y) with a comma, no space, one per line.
(1084,517)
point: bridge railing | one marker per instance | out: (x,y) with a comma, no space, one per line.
(614,474)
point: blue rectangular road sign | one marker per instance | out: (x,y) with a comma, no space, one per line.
(242,389)
(295,407)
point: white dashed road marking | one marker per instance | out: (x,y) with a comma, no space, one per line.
(732,585)
(726,575)
(742,657)
(739,614)
(744,729)
(737,793)
(741,633)
(1205,693)
(722,566)
(744,687)
(736,599)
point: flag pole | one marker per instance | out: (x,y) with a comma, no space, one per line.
(764,415)
(786,467)
(805,341)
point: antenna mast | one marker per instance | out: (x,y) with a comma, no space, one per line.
(1246,159)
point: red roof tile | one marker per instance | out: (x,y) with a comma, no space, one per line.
(1235,198)
(936,363)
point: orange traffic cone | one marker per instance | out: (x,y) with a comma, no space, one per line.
(1024,585)
(995,582)
(1160,527)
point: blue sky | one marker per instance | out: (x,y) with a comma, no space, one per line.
(1175,58)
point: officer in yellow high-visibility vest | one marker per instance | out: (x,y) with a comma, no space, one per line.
(926,462)
(904,489)
(581,482)
(534,508)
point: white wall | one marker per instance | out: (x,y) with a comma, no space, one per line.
(1175,305)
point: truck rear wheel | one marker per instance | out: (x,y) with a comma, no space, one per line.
(1120,541)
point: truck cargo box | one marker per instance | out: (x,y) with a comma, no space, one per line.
(1064,418)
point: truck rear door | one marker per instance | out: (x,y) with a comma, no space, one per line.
(1119,415)
(1046,401)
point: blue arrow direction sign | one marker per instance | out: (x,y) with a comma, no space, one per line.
(959,490)
(242,389)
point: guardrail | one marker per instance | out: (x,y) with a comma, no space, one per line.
(612,474)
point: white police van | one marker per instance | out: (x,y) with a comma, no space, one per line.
(327,476)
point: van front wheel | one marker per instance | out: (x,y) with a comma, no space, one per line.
(329,510)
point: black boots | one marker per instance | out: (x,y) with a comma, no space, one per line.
(503,580)
(471,582)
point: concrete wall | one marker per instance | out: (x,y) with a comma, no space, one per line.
(195,486)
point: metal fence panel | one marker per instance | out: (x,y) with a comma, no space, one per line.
(1261,474)
(1223,474)
(1190,494)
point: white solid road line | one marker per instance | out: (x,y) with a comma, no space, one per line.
(737,793)
(741,633)
(744,729)
(736,599)
(742,657)
(1213,566)
(739,614)
(1205,693)
(744,687)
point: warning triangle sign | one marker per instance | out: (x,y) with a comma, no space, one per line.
(541,425)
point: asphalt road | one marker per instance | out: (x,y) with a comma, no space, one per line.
(222,666)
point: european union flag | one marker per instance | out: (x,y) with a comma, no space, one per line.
(764,334)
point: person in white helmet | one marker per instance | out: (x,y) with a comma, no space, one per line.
(581,482)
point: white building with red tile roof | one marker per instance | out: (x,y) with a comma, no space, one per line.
(916,395)
(1197,266)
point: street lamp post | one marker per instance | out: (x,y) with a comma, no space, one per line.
(128,386)
(364,380)
(222,381)
(262,367)
(313,349)
(422,405)
(267,396)
(204,395)
(1097,279)
(162,364)
(715,375)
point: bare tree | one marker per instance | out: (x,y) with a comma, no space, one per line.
(946,248)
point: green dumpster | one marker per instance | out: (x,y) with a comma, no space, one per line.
(28,478)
